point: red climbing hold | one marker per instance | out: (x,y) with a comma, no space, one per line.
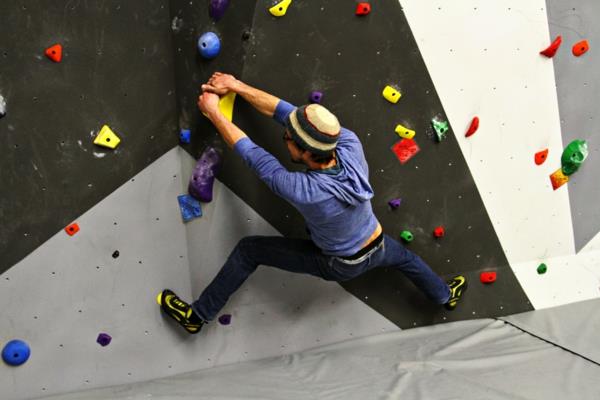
(72,229)
(363,8)
(580,48)
(551,50)
(487,277)
(473,128)
(541,156)
(439,232)
(54,53)
(405,150)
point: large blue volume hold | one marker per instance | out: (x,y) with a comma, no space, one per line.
(209,45)
(16,352)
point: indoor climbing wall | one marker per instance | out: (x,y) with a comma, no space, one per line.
(516,100)
(350,59)
(135,68)
(116,70)
(130,246)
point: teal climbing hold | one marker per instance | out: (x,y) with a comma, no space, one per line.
(440,127)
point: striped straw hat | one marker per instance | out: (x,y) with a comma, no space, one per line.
(314,128)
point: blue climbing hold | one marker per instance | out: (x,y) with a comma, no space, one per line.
(190,207)
(185,136)
(16,352)
(209,45)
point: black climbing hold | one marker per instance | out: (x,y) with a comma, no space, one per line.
(115,254)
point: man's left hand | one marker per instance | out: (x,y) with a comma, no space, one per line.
(208,103)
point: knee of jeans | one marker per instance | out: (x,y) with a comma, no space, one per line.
(246,243)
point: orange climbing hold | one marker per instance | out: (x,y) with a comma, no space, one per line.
(473,128)
(54,53)
(72,229)
(558,178)
(551,50)
(580,48)
(363,8)
(540,157)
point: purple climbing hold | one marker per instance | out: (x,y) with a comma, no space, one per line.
(203,175)
(225,319)
(217,8)
(395,203)
(104,339)
(316,97)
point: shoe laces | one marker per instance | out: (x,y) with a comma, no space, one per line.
(178,302)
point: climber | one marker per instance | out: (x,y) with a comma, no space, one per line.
(333,195)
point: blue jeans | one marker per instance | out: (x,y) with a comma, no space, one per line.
(303,256)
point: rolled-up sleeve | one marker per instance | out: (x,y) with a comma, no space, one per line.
(281,181)
(282,110)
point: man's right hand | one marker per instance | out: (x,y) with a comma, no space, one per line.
(221,84)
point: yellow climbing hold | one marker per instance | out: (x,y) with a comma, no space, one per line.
(226,105)
(279,9)
(391,94)
(107,138)
(159,299)
(405,132)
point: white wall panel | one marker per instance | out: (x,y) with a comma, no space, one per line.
(483,59)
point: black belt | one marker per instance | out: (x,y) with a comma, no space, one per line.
(376,242)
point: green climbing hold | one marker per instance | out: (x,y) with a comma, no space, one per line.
(440,127)
(542,268)
(573,156)
(407,236)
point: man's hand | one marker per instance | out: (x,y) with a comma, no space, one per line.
(208,103)
(221,84)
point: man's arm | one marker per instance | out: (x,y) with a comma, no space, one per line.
(209,105)
(221,83)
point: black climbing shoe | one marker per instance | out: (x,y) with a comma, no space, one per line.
(457,285)
(180,311)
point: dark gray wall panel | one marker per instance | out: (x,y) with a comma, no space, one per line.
(116,70)
(322,45)
(578,87)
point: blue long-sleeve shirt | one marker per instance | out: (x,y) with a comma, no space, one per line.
(335,203)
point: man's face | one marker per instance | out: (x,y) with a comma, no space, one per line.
(294,150)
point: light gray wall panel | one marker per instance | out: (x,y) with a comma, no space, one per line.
(71,288)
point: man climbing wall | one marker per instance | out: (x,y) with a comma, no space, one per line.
(333,195)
